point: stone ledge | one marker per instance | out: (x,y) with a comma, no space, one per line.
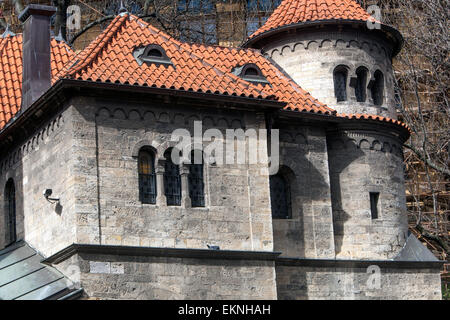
(338,263)
(160,252)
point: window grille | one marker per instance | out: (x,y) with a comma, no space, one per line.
(280,197)
(196,184)
(147,178)
(172,182)
(340,84)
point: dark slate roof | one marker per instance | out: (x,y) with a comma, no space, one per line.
(414,250)
(24,277)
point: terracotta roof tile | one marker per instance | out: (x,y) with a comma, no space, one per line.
(11,72)
(110,58)
(358,116)
(298,11)
(282,86)
(198,68)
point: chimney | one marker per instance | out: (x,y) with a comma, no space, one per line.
(36,75)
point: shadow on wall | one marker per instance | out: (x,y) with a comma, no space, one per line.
(12,227)
(300,163)
(341,155)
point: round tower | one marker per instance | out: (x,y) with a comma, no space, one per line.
(336,51)
(343,57)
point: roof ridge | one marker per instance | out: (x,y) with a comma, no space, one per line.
(96,46)
(132,31)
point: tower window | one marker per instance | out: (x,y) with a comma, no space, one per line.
(10,210)
(196,182)
(280,197)
(361,83)
(147,177)
(374,197)
(340,83)
(172,181)
(378,88)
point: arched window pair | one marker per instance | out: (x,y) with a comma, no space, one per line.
(340,77)
(280,197)
(171,178)
(10,212)
(340,83)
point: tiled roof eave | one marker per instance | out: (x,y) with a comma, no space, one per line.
(392,32)
(269,101)
(349,118)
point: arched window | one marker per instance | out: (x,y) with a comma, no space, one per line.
(172,181)
(361,84)
(340,83)
(147,177)
(280,197)
(251,72)
(10,210)
(154,53)
(196,181)
(378,88)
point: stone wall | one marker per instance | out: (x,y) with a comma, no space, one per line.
(357,283)
(129,277)
(311,56)
(237,214)
(304,162)
(42,162)
(361,162)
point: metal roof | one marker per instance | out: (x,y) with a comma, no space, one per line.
(414,250)
(24,277)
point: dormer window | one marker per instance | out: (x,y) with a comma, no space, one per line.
(154,53)
(251,73)
(151,54)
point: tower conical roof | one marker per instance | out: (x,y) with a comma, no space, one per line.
(303,13)
(291,12)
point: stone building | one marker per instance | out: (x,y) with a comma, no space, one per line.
(92,195)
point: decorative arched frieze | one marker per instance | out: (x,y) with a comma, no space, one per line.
(298,45)
(286,50)
(31,144)
(135,115)
(326,43)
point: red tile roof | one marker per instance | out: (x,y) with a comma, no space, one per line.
(11,72)
(297,11)
(199,68)
(109,58)
(359,116)
(281,85)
